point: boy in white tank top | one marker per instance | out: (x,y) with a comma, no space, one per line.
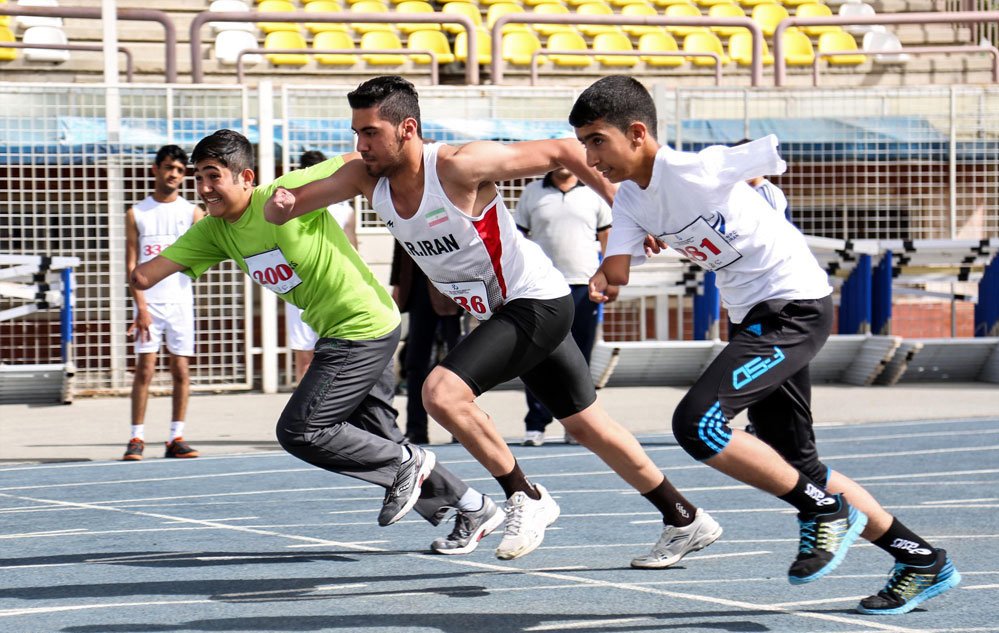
(167,309)
(441,204)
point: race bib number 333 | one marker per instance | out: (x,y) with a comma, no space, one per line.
(271,270)
(702,244)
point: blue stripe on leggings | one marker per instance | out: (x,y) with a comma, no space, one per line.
(711,429)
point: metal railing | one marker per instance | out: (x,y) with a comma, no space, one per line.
(404,52)
(955,17)
(129,66)
(471,65)
(142,15)
(498,63)
(914,50)
(635,53)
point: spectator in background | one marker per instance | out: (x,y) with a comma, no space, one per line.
(570,222)
(301,338)
(166,309)
(430,314)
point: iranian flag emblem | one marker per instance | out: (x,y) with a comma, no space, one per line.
(435,217)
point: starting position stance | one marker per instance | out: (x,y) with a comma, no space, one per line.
(441,203)
(340,417)
(778,299)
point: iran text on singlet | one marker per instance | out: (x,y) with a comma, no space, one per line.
(481,263)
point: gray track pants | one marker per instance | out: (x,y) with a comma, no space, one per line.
(341,418)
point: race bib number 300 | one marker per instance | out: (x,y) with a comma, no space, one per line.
(470,295)
(271,270)
(702,244)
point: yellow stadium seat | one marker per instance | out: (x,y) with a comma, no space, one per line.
(371,6)
(374,40)
(669,3)
(551,8)
(285,39)
(434,41)
(753,3)
(840,41)
(614,42)
(638,11)
(568,41)
(489,3)
(519,46)
(768,16)
(659,41)
(727,11)
(798,49)
(816,10)
(415,6)
(795,3)
(683,11)
(7,54)
(534,3)
(595,9)
(484,46)
(277,6)
(324,6)
(740,49)
(623,3)
(704,42)
(499,9)
(711,3)
(462,8)
(332,40)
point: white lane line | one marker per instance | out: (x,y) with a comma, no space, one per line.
(450,561)
(970,587)
(587,624)
(932,451)
(947,501)
(6,613)
(928,475)
(307,545)
(42,534)
(156,480)
(220,519)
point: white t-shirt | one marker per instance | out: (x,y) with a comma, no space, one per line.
(565,225)
(700,205)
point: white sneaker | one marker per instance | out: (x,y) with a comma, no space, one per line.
(534,438)
(677,542)
(526,520)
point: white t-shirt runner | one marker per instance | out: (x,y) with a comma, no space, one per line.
(159,224)
(700,205)
(480,263)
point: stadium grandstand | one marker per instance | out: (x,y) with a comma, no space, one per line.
(886,112)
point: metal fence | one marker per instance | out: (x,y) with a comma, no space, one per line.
(872,163)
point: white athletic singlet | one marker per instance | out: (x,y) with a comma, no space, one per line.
(481,263)
(700,205)
(159,225)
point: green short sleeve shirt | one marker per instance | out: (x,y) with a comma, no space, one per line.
(308,261)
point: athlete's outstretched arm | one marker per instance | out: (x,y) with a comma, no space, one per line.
(343,184)
(489,161)
(615,270)
(145,276)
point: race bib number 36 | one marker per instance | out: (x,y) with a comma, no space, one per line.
(702,244)
(470,295)
(271,270)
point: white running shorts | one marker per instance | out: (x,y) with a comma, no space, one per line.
(176,321)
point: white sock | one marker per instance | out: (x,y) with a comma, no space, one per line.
(139,432)
(406,453)
(176,430)
(471,501)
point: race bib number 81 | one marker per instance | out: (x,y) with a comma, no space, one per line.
(702,244)
(271,270)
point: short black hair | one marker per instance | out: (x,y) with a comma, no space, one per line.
(310,158)
(231,149)
(617,99)
(170,152)
(396,99)
(742,142)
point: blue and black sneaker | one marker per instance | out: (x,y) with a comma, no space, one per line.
(824,541)
(908,586)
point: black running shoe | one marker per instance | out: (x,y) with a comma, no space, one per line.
(134,451)
(908,586)
(180,449)
(404,492)
(469,529)
(825,538)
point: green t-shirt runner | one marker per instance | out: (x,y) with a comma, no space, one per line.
(307,261)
